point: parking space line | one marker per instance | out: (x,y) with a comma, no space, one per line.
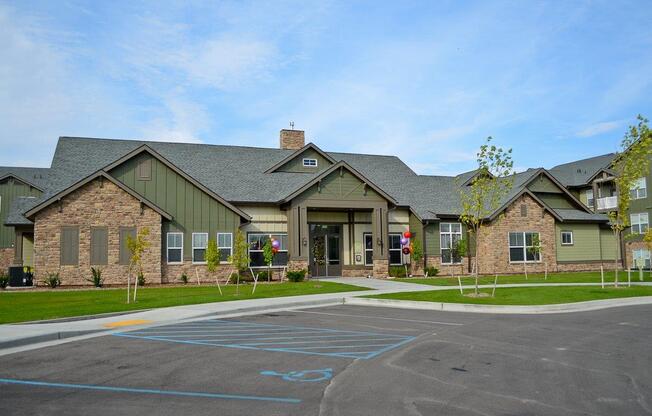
(380,317)
(149,391)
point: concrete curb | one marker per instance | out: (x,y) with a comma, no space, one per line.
(52,336)
(591,305)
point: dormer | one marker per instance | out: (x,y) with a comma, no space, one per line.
(308,159)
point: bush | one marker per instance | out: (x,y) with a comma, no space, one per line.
(96,279)
(262,275)
(431,271)
(141,279)
(184,278)
(296,275)
(397,271)
(52,280)
(4,281)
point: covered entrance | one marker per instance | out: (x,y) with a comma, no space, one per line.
(326,250)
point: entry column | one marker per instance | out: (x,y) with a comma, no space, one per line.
(379,237)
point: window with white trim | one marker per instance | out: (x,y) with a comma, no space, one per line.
(175,247)
(450,233)
(639,189)
(521,248)
(640,222)
(310,163)
(257,242)
(566,238)
(199,244)
(225,246)
(395,250)
(641,258)
(589,198)
(368,249)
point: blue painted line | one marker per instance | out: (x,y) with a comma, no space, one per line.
(328,347)
(326,329)
(322,341)
(149,391)
(377,353)
(304,337)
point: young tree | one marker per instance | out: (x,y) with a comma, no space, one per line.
(416,255)
(534,250)
(213,260)
(485,193)
(268,255)
(629,166)
(136,247)
(240,257)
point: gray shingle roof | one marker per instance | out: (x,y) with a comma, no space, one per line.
(34,176)
(578,173)
(577,215)
(18,206)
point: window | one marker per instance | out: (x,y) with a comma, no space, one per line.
(368,249)
(199,244)
(310,163)
(639,223)
(175,247)
(69,246)
(99,245)
(641,259)
(125,255)
(225,246)
(450,234)
(257,241)
(639,189)
(520,247)
(566,238)
(395,253)
(145,170)
(589,198)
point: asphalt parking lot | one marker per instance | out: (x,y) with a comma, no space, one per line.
(347,360)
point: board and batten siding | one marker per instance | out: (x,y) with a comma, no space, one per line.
(344,187)
(10,189)
(586,243)
(609,244)
(296,164)
(193,210)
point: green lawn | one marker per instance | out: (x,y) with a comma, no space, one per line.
(524,295)
(30,306)
(578,277)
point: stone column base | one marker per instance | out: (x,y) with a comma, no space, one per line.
(297,264)
(381,268)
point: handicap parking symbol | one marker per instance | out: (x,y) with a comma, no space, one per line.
(302,376)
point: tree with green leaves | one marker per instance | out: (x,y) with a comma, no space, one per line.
(136,247)
(240,257)
(268,255)
(213,260)
(491,183)
(534,250)
(416,253)
(629,166)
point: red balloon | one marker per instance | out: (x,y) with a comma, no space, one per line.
(407,234)
(406,250)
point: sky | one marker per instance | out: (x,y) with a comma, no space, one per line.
(427,81)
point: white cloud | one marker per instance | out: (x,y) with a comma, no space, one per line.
(599,128)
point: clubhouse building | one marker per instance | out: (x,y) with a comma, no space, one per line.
(334,214)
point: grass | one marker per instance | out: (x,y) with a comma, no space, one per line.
(523,295)
(577,277)
(30,306)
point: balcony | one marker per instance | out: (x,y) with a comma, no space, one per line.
(609,202)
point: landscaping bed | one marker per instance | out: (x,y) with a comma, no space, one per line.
(576,277)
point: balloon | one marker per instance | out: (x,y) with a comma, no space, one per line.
(276,244)
(274,250)
(404,241)
(407,234)
(406,250)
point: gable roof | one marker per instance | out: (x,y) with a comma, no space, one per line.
(18,206)
(298,152)
(581,172)
(35,177)
(99,174)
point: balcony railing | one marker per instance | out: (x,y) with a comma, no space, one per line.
(609,202)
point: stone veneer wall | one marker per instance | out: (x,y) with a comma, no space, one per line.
(448,269)
(381,268)
(630,246)
(94,204)
(6,259)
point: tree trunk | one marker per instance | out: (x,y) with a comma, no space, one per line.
(617,235)
(136,287)
(237,284)
(128,283)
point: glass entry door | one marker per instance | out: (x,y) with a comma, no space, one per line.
(326,250)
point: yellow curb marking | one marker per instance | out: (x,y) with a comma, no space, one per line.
(127,323)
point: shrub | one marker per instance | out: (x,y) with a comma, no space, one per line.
(397,271)
(4,281)
(96,279)
(184,278)
(141,279)
(432,271)
(296,275)
(262,275)
(52,280)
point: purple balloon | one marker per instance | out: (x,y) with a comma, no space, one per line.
(404,241)
(276,244)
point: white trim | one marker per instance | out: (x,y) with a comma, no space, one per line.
(561,236)
(399,249)
(639,190)
(639,216)
(451,233)
(198,248)
(365,249)
(167,248)
(268,235)
(524,247)
(217,241)
(640,253)
(307,162)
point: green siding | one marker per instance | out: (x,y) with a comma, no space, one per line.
(296,164)
(609,244)
(555,200)
(346,187)
(644,204)
(10,189)
(192,209)
(586,242)
(543,184)
(431,232)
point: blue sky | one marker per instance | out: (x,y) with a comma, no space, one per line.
(427,81)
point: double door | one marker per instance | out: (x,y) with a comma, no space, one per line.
(326,250)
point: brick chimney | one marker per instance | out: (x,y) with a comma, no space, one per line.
(292,139)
